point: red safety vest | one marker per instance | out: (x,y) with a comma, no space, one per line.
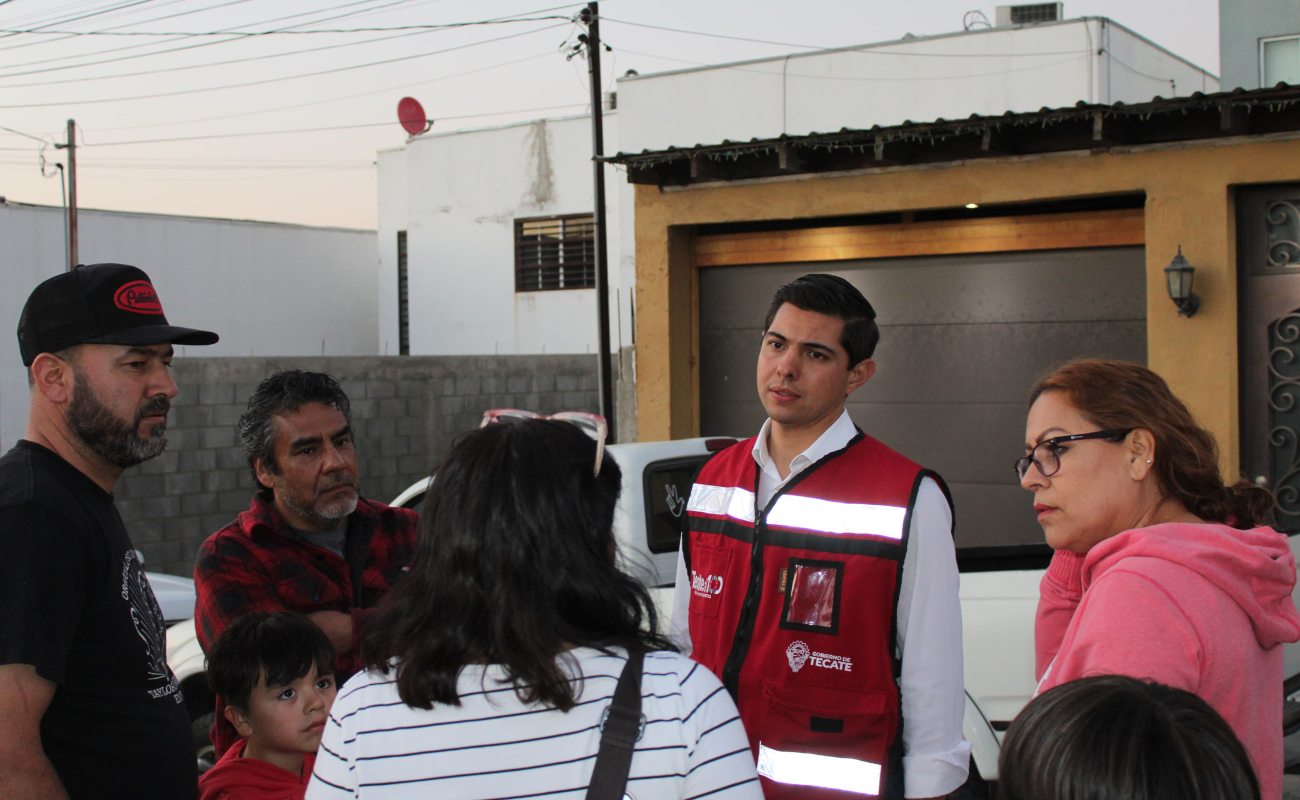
(793,607)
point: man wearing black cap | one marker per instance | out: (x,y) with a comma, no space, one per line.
(88,706)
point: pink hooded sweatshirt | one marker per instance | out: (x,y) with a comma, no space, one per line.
(1201,607)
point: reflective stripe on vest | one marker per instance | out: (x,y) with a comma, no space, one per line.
(729,500)
(799,511)
(807,769)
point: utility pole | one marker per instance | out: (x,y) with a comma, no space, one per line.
(591,17)
(72,192)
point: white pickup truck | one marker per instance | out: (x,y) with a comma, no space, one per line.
(999,595)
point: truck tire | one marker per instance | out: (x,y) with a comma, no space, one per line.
(204,750)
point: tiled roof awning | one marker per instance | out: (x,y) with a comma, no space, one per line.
(1088,127)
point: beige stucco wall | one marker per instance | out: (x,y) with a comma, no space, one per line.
(1189,203)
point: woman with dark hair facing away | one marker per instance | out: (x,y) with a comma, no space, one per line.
(1112,736)
(1161,571)
(493,661)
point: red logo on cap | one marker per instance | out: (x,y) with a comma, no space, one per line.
(138,297)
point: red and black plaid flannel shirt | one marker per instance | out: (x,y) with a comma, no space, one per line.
(256,564)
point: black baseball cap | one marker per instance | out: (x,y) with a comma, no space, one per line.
(97,304)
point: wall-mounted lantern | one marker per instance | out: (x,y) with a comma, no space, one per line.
(1179,275)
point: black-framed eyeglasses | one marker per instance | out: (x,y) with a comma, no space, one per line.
(1046,455)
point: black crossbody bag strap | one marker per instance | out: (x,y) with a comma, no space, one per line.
(620,730)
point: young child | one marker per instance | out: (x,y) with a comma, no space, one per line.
(275,672)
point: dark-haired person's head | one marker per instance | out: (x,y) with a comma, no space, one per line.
(1155,456)
(516,564)
(275,672)
(297,436)
(818,339)
(1111,737)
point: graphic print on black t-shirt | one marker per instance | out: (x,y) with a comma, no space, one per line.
(78,607)
(148,620)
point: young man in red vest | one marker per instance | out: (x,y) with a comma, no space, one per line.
(818,578)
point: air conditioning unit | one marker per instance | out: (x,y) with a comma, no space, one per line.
(1029,14)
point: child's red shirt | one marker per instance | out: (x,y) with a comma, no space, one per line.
(238,778)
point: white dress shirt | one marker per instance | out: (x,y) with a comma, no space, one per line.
(936,759)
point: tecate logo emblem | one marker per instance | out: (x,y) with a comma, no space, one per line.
(706,585)
(799,654)
(138,297)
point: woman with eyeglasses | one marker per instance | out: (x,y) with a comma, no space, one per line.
(492,664)
(1161,572)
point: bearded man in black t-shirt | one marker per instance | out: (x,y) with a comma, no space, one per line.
(88,707)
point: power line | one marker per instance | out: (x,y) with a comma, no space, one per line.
(712,35)
(370,93)
(127,25)
(92,164)
(216,163)
(20,133)
(249,34)
(68,13)
(185,67)
(864,50)
(276,80)
(1169,81)
(776,74)
(328,128)
(153,160)
(130,46)
(92,14)
(225,4)
(218,63)
(419,30)
(51,12)
(135,177)
(232,30)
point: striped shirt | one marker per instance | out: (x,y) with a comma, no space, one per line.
(494,746)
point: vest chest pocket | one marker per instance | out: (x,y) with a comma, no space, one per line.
(812,596)
(710,576)
(815,737)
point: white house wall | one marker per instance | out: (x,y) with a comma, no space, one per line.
(1139,71)
(984,72)
(266,289)
(463,192)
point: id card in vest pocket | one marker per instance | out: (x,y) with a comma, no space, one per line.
(812,591)
(710,574)
(819,742)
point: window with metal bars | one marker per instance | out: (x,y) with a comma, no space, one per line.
(555,253)
(403,299)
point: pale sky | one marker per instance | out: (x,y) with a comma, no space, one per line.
(463,79)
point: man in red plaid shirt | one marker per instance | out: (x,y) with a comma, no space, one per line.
(308,542)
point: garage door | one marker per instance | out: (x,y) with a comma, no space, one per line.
(962,339)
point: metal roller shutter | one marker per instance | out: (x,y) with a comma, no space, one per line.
(962,338)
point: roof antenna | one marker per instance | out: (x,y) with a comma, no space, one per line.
(975,19)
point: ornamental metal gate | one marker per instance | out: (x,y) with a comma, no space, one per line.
(1268,263)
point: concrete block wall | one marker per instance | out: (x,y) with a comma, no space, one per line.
(406,411)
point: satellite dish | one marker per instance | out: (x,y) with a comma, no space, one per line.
(411,114)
